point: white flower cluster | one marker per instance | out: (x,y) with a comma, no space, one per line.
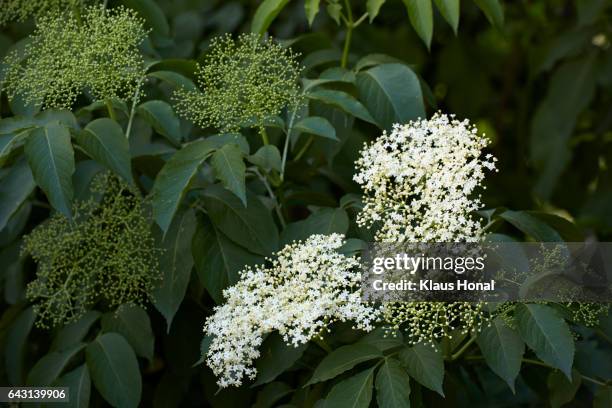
(419,181)
(308,286)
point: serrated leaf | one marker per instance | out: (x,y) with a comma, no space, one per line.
(391,93)
(104,141)
(173,179)
(547,334)
(230,169)
(426,365)
(175,79)
(316,125)
(421,18)
(354,392)
(218,259)
(133,323)
(15,187)
(51,158)
(342,359)
(251,227)
(10,142)
(51,365)
(373,8)
(334,9)
(271,394)
(311,7)
(175,263)
(450,11)
(276,357)
(493,10)
(392,385)
(153,15)
(114,370)
(265,14)
(382,340)
(267,158)
(162,118)
(502,349)
(344,101)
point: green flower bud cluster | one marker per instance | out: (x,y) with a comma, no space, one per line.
(21,10)
(104,257)
(96,52)
(243,82)
(426,322)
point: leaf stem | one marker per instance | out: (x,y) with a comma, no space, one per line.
(264,136)
(277,209)
(462,350)
(111,111)
(287,140)
(304,148)
(128,130)
(349,34)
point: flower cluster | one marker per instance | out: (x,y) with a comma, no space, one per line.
(21,10)
(105,255)
(243,82)
(95,53)
(419,181)
(308,286)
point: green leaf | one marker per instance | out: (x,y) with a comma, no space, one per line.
(175,79)
(75,332)
(603,397)
(51,159)
(344,101)
(547,334)
(15,346)
(133,323)
(493,10)
(173,179)
(334,9)
(50,366)
(392,94)
(316,125)
(373,8)
(421,18)
(382,340)
(271,394)
(324,221)
(311,7)
(230,169)
(392,385)
(218,259)
(426,365)
(267,158)
(104,141)
(79,383)
(176,263)
(10,142)
(153,15)
(532,226)
(276,357)
(450,11)
(251,227)
(502,349)
(114,370)
(561,390)
(354,392)
(265,14)
(15,187)
(342,359)
(162,118)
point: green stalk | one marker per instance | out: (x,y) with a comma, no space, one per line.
(304,148)
(264,136)
(111,111)
(349,34)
